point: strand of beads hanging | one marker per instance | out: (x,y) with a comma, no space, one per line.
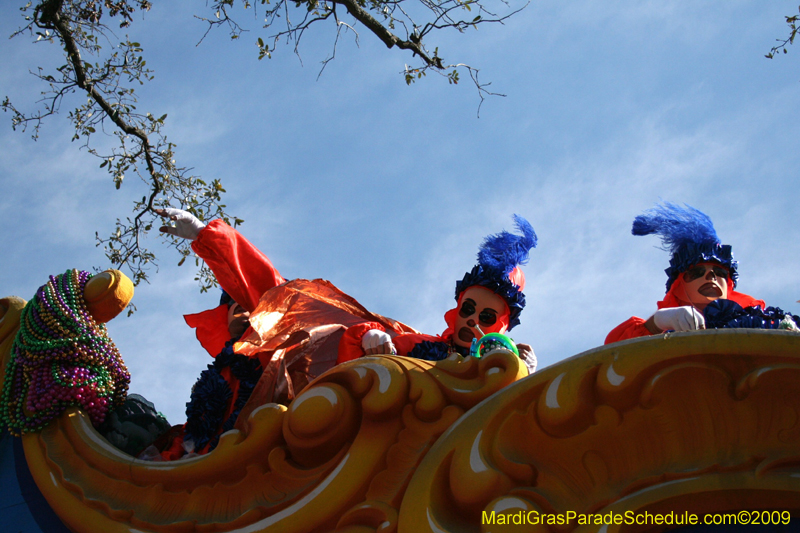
(61,358)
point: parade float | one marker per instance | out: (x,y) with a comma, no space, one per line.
(697,422)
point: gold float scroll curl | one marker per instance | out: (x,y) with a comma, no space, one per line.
(342,453)
(699,422)
(10,312)
(338,458)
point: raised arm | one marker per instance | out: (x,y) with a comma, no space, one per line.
(242,270)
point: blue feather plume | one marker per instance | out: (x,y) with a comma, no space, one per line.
(504,251)
(677,226)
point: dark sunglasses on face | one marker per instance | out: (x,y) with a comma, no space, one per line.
(700,270)
(487,317)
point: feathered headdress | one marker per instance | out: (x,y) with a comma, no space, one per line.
(689,235)
(498,270)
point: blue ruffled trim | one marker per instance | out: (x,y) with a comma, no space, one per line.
(435,351)
(729,314)
(691,254)
(430,351)
(205,409)
(211,394)
(498,283)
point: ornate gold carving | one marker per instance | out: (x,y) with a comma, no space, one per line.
(340,457)
(703,422)
(10,311)
(107,294)
(700,422)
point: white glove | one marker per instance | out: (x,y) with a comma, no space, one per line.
(186,226)
(528,357)
(679,319)
(377,341)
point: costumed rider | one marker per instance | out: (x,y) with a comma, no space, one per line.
(226,385)
(269,336)
(489,300)
(701,280)
(299,328)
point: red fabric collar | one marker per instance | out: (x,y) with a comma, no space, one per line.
(211,328)
(450,320)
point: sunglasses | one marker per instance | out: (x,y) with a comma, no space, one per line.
(700,271)
(487,317)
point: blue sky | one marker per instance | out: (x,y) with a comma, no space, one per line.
(387,190)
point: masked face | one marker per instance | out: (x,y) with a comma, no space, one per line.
(703,283)
(238,320)
(482,307)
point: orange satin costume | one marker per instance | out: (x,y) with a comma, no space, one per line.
(296,326)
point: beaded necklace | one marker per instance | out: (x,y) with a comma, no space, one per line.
(60,358)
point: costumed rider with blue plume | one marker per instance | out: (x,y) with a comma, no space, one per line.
(701,279)
(270,336)
(489,298)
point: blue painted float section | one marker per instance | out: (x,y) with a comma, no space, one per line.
(23,509)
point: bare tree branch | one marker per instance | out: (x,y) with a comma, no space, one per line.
(791,21)
(381,18)
(108,73)
(108,81)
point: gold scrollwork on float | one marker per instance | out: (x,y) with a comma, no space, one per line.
(338,458)
(10,312)
(699,422)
